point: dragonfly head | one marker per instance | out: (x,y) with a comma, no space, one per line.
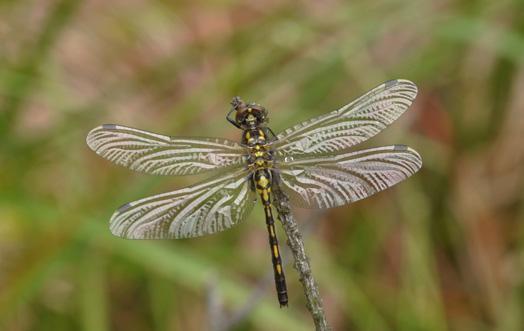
(248,115)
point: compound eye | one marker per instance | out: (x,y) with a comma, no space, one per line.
(240,116)
(261,117)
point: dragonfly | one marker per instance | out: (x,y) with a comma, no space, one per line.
(310,163)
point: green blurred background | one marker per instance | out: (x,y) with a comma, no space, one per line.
(442,251)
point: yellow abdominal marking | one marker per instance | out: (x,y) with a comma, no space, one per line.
(272,231)
(265,195)
(263,182)
(275,250)
(279,269)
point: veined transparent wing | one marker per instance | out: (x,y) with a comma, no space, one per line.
(194,211)
(349,125)
(332,181)
(163,155)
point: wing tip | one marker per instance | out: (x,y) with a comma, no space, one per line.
(116,233)
(90,139)
(410,84)
(406,83)
(91,135)
(416,155)
(406,149)
(114,226)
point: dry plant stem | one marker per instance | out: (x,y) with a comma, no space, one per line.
(296,244)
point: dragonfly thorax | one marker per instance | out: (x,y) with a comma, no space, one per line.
(253,137)
(260,155)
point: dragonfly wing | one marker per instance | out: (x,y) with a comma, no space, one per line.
(326,182)
(194,211)
(349,125)
(163,155)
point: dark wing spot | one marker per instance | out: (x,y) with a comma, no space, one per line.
(390,83)
(400,147)
(124,207)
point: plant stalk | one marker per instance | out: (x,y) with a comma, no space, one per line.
(296,244)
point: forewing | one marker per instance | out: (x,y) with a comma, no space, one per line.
(349,125)
(163,155)
(194,211)
(327,182)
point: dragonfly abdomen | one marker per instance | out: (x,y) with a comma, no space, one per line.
(262,178)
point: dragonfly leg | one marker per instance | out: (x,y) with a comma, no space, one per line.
(272,136)
(230,120)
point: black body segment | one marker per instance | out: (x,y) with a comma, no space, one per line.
(280,279)
(262,179)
